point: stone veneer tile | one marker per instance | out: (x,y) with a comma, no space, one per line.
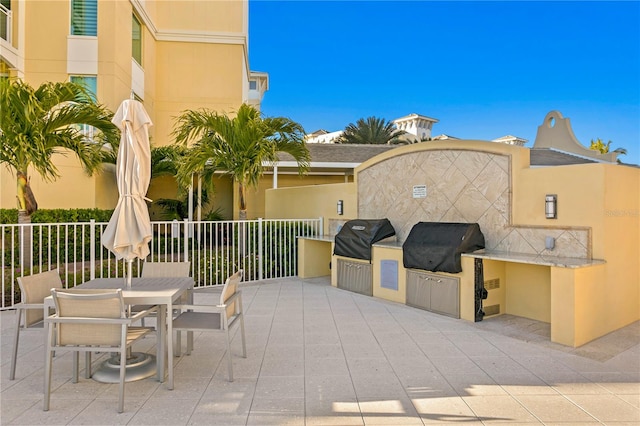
(494,226)
(435,206)
(503,202)
(452,183)
(491,181)
(514,242)
(435,165)
(472,163)
(536,236)
(582,235)
(471,204)
(568,246)
(503,162)
(366,192)
(452,154)
(453,215)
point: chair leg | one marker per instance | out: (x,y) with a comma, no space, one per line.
(48,364)
(87,365)
(229,362)
(16,338)
(76,366)
(123,364)
(244,343)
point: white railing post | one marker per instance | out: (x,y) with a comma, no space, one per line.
(321,225)
(260,251)
(92,249)
(186,240)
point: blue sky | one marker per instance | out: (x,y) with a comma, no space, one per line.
(483,69)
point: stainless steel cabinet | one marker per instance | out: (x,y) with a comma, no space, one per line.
(434,292)
(355,276)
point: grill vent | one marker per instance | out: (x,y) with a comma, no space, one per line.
(491,310)
(492,284)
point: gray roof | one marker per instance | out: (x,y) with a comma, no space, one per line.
(341,153)
(355,153)
(549,157)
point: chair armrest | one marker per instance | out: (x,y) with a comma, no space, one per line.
(25,306)
(143,313)
(84,320)
(201,308)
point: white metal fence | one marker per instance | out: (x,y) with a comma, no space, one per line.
(264,248)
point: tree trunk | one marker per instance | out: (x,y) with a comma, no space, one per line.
(26,238)
(26,199)
(242,216)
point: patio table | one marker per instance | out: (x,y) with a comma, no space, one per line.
(161,291)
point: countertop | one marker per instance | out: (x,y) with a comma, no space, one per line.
(326,238)
(535,259)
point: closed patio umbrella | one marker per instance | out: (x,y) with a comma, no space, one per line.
(129,230)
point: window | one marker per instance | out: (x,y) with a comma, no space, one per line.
(84,17)
(136,40)
(253,85)
(5,20)
(89,82)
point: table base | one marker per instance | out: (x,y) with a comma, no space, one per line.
(139,366)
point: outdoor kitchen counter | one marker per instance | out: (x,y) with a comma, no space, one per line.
(325,238)
(533,259)
(561,291)
(314,256)
(389,244)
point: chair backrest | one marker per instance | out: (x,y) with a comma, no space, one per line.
(83,304)
(229,289)
(166,269)
(34,288)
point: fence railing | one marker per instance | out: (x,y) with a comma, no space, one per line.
(264,248)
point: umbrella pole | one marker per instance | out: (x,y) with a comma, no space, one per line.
(129,272)
(138,365)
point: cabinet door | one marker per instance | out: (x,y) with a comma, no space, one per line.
(355,276)
(418,290)
(445,296)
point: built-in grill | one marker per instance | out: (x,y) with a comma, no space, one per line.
(437,246)
(354,241)
(356,237)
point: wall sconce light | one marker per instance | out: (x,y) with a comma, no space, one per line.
(551,206)
(340,207)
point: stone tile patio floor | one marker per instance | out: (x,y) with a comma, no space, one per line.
(318,355)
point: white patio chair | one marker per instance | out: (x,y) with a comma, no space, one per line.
(166,269)
(161,269)
(222,317)
(30,311)
(87,321)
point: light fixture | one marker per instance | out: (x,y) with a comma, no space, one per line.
(551,206)
(340,207)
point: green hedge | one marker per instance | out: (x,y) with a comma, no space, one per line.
(79,243)
(58,215)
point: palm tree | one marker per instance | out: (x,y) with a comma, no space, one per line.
(164,162)
(241,146)
(35,124)
(373,130)
(603,148)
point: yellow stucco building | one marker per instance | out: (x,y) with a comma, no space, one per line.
(171,55)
